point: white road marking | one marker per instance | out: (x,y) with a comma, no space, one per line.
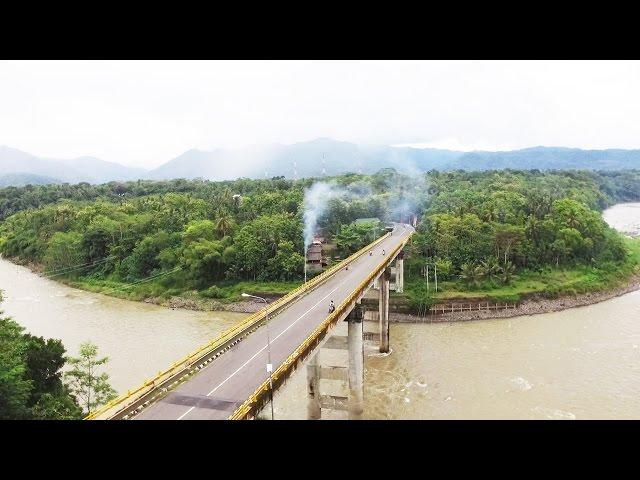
(263,348)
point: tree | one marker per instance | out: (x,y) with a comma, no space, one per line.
(507,273)
(471,274)
(44,360)
(14,387)
(287,263)
(490,268)
(64,251)
(91,388)
(144,257)
(58,407)
(506,237)
(223,225)
(30,379)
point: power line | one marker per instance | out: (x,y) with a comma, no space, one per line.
(65,270)
(71,268)
(148,279)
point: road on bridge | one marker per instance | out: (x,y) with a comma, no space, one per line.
(225,383)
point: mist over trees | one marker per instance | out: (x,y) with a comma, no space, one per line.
(194,234)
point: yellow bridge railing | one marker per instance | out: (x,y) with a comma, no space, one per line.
(251,406)
(132,399)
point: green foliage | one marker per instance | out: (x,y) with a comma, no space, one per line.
(213,292)
(15,387)
(530,219)
(31,386)
(91,388)
(420,299)
(194,234)
(64,251)
(352,237)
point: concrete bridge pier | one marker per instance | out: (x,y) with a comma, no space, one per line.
(400,272)
(356,362)
(383,310)
(314,409)
(348,372)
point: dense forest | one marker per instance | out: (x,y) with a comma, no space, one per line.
(482,229)
(190,235)
(491,235)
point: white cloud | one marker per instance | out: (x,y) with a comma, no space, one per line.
(144,113)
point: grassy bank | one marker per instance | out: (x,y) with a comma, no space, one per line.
(221,293)
(547,283)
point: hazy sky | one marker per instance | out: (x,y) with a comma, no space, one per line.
(143,113)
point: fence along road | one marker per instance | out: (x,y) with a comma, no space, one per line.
(219,388)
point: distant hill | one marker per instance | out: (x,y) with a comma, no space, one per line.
(305,159)
(191,164)
(82,169)
(100,171)
(22,179)
(311,159)
(547,158)
(17,161)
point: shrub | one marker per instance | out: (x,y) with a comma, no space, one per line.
(212,292)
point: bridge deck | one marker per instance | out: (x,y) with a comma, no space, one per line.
(220,387)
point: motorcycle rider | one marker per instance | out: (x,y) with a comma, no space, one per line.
(332,307)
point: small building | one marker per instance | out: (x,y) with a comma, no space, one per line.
(315,255)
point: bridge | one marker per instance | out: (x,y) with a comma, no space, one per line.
(234,375)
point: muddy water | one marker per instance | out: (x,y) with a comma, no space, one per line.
(140,339)
(581,363)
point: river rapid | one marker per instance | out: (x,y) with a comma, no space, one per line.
(581,363)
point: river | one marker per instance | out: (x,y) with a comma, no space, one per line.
(140,339)
(582,363)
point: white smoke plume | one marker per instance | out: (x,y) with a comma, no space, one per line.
(316,199)
(409,185)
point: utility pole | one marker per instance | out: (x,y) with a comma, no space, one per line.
(269,364)
(435,268)
(427,277)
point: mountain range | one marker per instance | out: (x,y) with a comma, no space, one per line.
(305,159)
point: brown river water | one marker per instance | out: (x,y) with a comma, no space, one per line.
(581,363)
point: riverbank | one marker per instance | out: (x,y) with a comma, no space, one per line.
(549,290)
(531,306)
(533,303)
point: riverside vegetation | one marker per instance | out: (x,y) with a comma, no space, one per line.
(495,235)
(32,384)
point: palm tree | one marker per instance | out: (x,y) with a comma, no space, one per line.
(471,274)
(223,225)
(508,273)
(490,268)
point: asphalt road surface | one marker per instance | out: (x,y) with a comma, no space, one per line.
(224,384)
